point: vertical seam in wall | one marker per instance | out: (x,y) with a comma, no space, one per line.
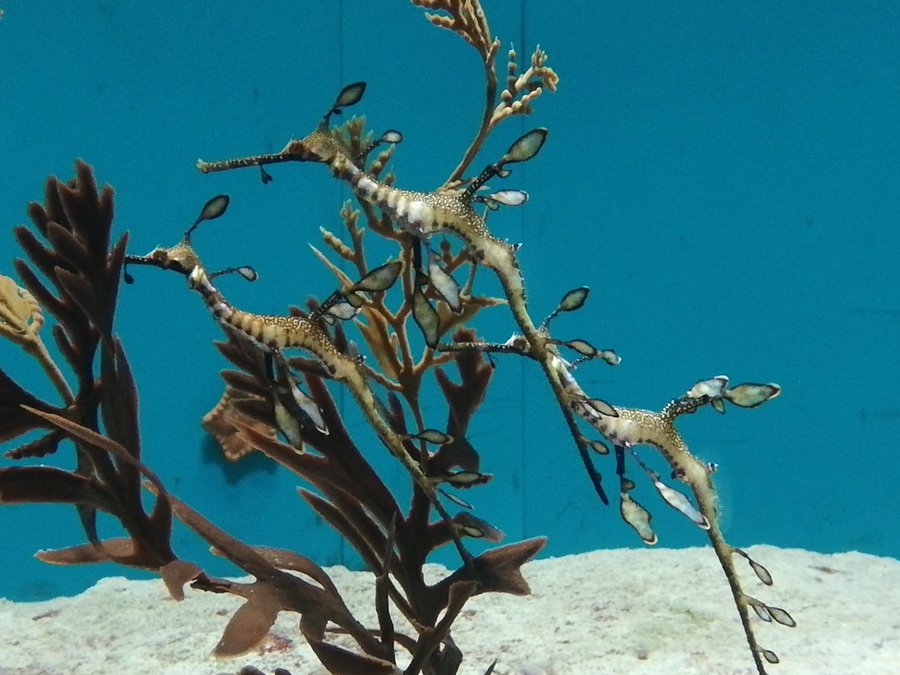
(342,399)
(523,367)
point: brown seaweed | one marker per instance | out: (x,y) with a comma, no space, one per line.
(71,249)
(102,428)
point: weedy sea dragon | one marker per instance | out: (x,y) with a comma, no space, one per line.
(274,334)
(452,211)
(633,427)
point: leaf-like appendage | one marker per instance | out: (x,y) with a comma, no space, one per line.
(638,517)
(573,300)
(712,388)
(40,447)
(379,279)
(525,147)
(681,503)
(46,485)
(750,395)
(350,95)
(769,656)
(249,625)
(426,317)
(446,285)
(214,208)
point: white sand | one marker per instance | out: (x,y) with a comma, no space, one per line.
(623,611)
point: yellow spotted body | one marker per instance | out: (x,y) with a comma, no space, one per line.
(277,333)
(635,427)
(422,213)
(425,214)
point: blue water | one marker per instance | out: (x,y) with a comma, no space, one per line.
(725,179)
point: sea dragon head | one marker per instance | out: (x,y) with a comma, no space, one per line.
(322,145)
(523,148)
(182,257)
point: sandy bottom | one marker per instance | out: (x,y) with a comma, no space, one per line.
(610,612)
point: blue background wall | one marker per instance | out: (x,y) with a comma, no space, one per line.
(724,177)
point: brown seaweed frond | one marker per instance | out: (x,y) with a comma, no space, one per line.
(273,591)
(276,589)
(73,277)
(148,546)
(77,259)
(353,499)
(15,421)
(349,494)
(217,423)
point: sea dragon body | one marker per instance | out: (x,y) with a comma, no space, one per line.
(450,211)
(276,333)
(423,214)
(635,427)
(273,334)
(641,427)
